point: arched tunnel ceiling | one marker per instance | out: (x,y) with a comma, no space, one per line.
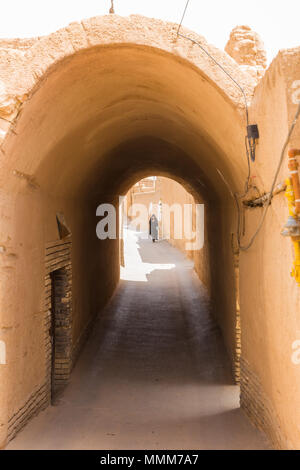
(145,157)
(114,108)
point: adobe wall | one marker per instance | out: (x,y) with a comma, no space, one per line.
(270,301)
(63,112)
(68,104)
(24,322)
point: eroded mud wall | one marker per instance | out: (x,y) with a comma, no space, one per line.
(269,295)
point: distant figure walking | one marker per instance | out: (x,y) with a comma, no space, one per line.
(153,228)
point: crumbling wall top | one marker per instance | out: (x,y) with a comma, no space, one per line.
(247,49)
(24,62)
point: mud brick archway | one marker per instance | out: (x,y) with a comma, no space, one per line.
(87,112)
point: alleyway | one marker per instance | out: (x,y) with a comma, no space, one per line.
(154,373)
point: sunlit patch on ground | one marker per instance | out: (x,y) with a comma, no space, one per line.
(135,269)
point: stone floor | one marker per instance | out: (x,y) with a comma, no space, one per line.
(154,374)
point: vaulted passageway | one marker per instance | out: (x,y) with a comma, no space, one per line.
(85,113)
(108,108)
(155,373)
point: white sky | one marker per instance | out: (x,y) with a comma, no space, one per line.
(277,21)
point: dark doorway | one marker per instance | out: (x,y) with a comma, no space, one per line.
(60,331)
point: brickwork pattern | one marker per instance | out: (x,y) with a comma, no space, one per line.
(58,283)
(258,407)
(58,268)
(236,363)
(37,402)
(238,350)
(61,326)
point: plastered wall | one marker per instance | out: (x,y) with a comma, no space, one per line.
(270,308)
(88,111)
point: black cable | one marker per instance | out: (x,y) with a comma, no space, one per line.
(183,15)
(215,61)
(237,196)
(268,203)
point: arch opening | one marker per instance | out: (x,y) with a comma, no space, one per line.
(100,120)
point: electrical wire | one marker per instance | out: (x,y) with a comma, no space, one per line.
(215,61)
(236,195)
(183,15)
(291,129)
